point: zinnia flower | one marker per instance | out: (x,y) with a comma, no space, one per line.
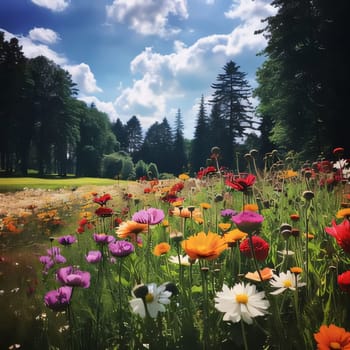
(260,246)
(151,216)
(248,221)
(241,302)
(341,233)
(73,277)
(59,299)
(121,248)
(344,281)
(241,184)
(285,281)
(204,246)
(161,249)
(93,256)
(151,299)
(67,240)
(130,229)
(332,337)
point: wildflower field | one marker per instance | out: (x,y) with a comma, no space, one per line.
(253,260)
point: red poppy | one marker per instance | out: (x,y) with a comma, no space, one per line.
(341,233)
(261,248)
(344,281)
(240,183)
(206,171)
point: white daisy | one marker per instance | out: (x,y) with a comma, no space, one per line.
(285,281)
(154,300)
(184,260)
(241,302)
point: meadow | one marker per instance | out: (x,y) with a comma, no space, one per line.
(254,260)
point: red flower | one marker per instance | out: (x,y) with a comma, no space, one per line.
(104,211)
(240,183)
(206,171)
(102,200)
(344,281)
(338,151)
(341,233)
(294,217)
(261,248)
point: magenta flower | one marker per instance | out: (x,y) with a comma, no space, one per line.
(121,248)
(151,216)
(102,238)
(54,257)
(248,221)
(73,277)
(67,240)
(59,299)
(93,256)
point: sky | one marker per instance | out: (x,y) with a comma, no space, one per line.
(146,58)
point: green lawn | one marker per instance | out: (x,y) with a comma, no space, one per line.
(10,184)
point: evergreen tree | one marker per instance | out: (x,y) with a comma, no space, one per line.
(231,94)
(134,137)
(120,133)
(179,155)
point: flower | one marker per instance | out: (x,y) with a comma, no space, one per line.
(130,229)
(261,248)
(54,257)
(343,213)
(205,205)
(341,233)
(241,302)
(332,337)
(59,299)
(104,212)
(183,177)
(184,260)
(228,213)
(265,274)
(161,249)
(224,226)
(150,299)
(93,256)
(294,217)
(285,281)
(338,151)
(73,277)
(241,184)
(204,246)
(234,236)
(344,281)
(250,207)
(151,216)
(102,200)
(121,248)
(248,221)
(102,238)
(67,240)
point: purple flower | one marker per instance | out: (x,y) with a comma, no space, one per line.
(151,216)
(59,299)
(94,256)
(73,277)
(102,238)
(248,221)
(121,248)
(54,257)
(228,213)
(67,240)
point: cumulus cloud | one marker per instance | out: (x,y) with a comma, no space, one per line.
(83,77)
(44,35)
(105,107)
(147,17)
(53,5)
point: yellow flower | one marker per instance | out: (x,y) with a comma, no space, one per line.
(288,174)
(224,226)
(183,177)
(204,246)
(177,203)
(165,223)
(343,213)
(234,236)
(205,205)
(161,249)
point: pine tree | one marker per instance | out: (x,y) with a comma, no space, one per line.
(179,155)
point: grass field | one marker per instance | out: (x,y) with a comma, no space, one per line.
(11,184)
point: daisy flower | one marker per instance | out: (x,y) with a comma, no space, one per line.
(242,301)
(285,281)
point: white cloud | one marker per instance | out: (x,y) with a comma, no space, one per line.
(44,35)
(147,17)
(84,78)
(53,5)
(105,107)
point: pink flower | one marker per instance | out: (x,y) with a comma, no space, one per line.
(248,221)
(341,233)
(151,216)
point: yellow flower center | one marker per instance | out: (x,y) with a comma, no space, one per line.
(334,345)
(242,298)
(149,298)
(287,283)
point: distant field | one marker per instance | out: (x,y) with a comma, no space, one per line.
(10,184)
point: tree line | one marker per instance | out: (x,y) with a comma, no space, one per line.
(301,93)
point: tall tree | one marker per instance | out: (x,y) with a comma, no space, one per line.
(119,131)
(200,144)
(232,95)
(134,136)
(179,155)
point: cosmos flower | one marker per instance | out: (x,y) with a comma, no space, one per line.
(204,246)
(242,301)
(150,299)
(131,229)
(332,337)
(261,248)
(151,216)
(67,240)
(121,248)
(73,277)
(285,281)
(341,233)
(59,299)
(248,221)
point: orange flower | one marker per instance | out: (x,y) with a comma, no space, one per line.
(296,269)
(294,217)
(332,337)
(130,229)
(250,207)
(224,226)
(343,213)
(204,246)
(161,249)
(205,205)
(265,273)
(234,236)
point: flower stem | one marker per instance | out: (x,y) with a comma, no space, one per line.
(244,336)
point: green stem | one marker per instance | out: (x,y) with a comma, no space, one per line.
(244,336)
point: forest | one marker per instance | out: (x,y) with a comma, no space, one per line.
(301,108)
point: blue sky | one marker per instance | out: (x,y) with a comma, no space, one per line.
(141,57)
